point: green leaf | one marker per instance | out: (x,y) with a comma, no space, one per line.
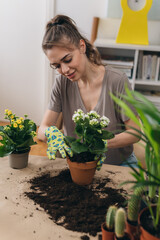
(5,151)
(79,130)
(155,133)
(126,108)
(69,140)
(97,146)
(1,129)
(27,143)
(107,135)
(78,147)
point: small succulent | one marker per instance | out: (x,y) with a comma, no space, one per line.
(134,204)
(110,217)
(120,223)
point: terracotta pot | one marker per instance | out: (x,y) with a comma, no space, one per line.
(127,236)
(106,235)
(18,160)
(82,173)
(144,235)
(132,230)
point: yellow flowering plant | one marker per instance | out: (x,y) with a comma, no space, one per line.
(18,135)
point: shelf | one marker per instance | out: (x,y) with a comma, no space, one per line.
(111,51)
(110,43)
(147,82)
(154,99)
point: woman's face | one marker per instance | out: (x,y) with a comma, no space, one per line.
(70,63)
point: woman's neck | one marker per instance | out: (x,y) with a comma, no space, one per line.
(93,73)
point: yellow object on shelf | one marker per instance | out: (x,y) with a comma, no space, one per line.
(134,28)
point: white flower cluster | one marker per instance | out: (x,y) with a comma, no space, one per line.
(93,117)
(93,114)
(78,115)
(104,121)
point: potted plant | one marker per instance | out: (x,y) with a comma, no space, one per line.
(150,176)
(16,139)
(89,146)
(120,225)
(134,204)
(108,226)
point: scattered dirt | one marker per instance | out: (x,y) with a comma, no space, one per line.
(77,208)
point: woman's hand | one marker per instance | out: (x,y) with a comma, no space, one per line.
(55,141)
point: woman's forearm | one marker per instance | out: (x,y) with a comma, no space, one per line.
(49,119)
(123,139)
(41,133)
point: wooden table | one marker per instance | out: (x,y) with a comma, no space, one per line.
(19,219)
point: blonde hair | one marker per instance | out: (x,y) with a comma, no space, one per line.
(62,28)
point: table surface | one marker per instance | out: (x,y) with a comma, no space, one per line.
(19,219)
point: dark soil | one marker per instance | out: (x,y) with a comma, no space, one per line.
(126,237)
(77,208)
(147,224)
(82,157)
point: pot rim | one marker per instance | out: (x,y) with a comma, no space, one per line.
(83,165)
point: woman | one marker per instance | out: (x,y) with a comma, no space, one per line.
(84,83)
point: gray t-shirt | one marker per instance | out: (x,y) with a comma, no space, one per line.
(66,98)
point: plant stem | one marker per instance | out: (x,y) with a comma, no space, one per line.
(158,209)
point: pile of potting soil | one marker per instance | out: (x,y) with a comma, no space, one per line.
(77,208)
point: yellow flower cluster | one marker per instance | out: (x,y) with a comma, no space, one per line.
(18,123)
(9,114)
(14,121)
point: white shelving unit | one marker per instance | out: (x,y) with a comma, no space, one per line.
(109,47)
(104,34)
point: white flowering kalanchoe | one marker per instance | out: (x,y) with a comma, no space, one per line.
(90,134)
(93,117)
(93,114)
(78,115)
(104,121)
(93,122)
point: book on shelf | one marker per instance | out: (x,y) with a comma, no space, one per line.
(149,67)
(157,74)
(124,66)
(139,66)
(144,67)
(128,64)
(153,66)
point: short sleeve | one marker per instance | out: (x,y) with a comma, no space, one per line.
(120,89)
(55,102)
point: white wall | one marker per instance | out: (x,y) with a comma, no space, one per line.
(25,79)
(22,62)
(82,12)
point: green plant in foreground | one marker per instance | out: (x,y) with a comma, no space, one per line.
(90,131)
(120,223)
(18,135)
(134,204)
(110,217)
(150,133)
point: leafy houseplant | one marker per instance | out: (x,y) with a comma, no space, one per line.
(148,177)
(89,146)
(90,131)
(17,136)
